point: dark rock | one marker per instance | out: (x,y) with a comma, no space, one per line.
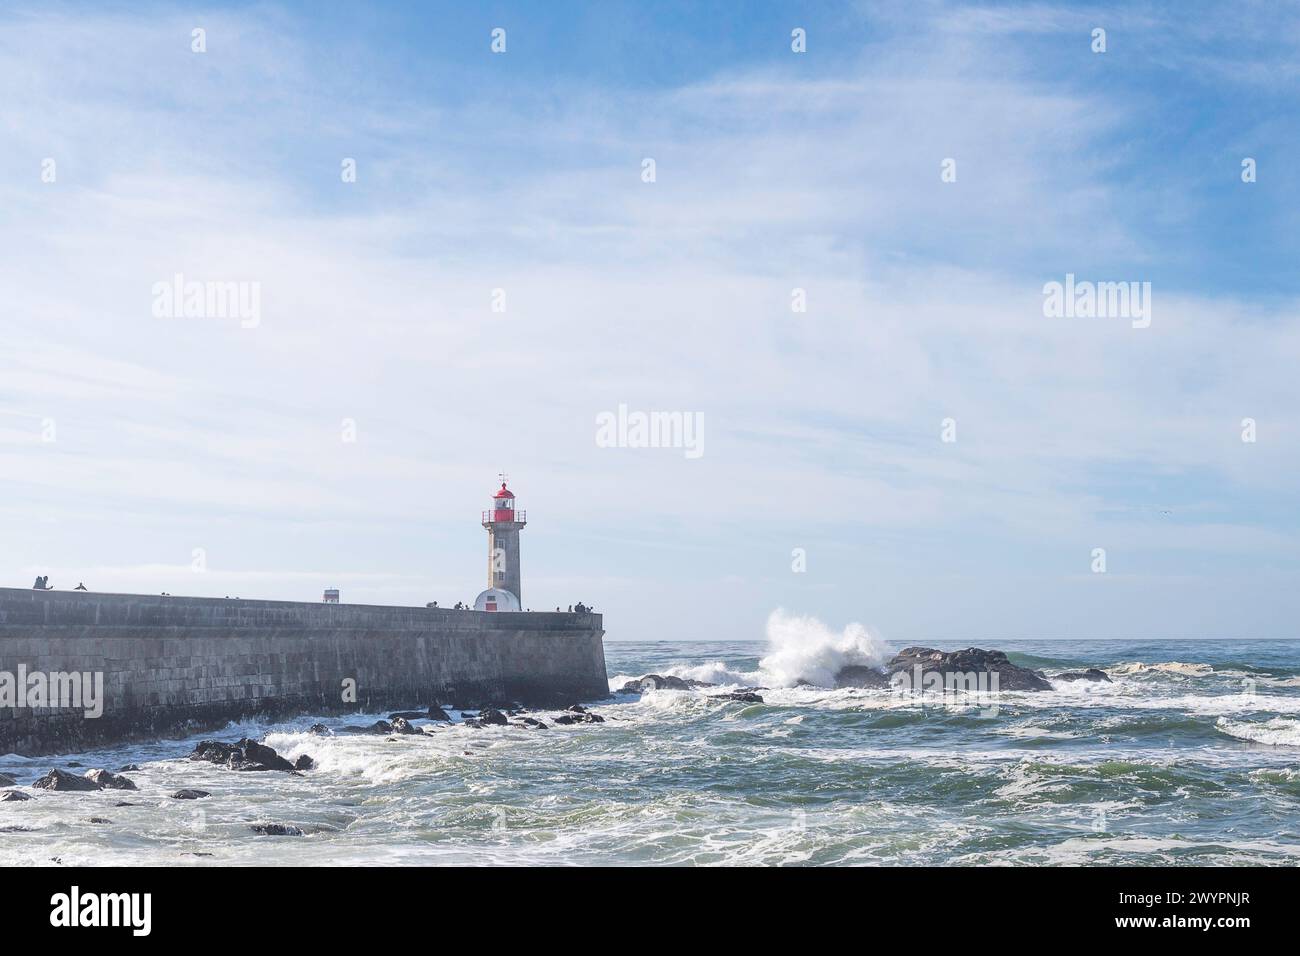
(97,820)
(7,781)
(124,803)
(275,829)
(190,794)
(739,696)
(474,722)
(62,780)
(304,762)
(972,662)
(265,757)
(111,781)
(381,727)
(583,717)
(403,726)
(1091,673)
(859,675)
(407,715)
(320,730)
(9,795)
(660,682)
(247,754)
(437,713)
(129,768)
(531,722)
(490,715)
(214,751)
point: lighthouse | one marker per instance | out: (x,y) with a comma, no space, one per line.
(503,522)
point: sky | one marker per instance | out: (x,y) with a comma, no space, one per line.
(502,271)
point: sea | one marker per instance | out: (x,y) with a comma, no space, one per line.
(1189,755)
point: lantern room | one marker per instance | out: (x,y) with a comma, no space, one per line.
(503,504)
(503,508)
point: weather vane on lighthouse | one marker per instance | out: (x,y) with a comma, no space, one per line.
(503,523)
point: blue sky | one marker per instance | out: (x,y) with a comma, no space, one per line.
(522,171)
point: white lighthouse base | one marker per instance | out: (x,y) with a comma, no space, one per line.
(496,599)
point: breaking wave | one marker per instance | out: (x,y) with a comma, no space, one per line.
(1279,732)
(803,648)
(799,649)
(1168,667)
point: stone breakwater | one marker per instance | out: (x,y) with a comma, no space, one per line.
(176,665)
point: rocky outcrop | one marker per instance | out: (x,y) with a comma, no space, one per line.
(10,795)
(859,675)
(662,682)
(577,714)
(739,696)
(190,794)
(319,730)
(62,780)
(246,754)
(965,665)
(530,722)
(304,763)
(378,727)
(491,716)
(111,781)
(275,829)
(437,713)
(403,726)
(1092,673)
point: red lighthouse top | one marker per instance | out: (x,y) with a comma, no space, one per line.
(503,507)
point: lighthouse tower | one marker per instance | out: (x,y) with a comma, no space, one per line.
(503,523)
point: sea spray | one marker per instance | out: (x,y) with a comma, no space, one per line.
(800,649)
(804,649)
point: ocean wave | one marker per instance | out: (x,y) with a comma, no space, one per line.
(1167,667)
(800,650)
(803,648)
(716,672)
(1278,732)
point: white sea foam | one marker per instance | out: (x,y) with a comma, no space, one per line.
(799,649)
(803,648)
(1279,681)
(1167,667)
(716,672)
(1280,732)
